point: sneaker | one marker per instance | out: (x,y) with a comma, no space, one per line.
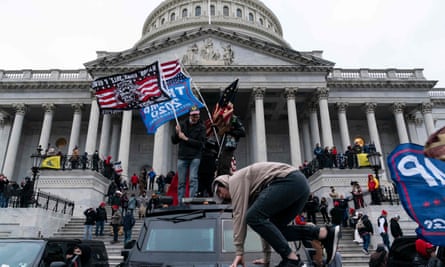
(365,251)
(330,243)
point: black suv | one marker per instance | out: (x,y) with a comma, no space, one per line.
(403,253)
(193,235)
(41,252)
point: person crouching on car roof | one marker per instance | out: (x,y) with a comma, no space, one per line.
(267,196)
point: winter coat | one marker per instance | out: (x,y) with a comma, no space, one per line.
(192,148)
(101,214)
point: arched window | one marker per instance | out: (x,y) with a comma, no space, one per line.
(261,22)
(212,10)
(197,11)
(225,11)
(172,16)
(162,21)
(250,16)
(239,13)
(184,12)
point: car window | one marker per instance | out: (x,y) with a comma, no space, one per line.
(251,244)
(186,236)
(19,254)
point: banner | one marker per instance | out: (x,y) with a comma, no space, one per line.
(52,162)
(182,99)
(132,90)
(420,183)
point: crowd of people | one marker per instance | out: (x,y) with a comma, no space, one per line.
(14,195)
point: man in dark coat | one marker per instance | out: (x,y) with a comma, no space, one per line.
(394,225)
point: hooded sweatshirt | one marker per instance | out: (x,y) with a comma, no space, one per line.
(243,186)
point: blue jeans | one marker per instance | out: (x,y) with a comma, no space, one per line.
(366,241)
(275,207)
(385,239)
(183,166)
(127,236)
(100,227)
(88,232)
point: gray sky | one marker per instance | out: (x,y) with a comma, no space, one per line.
(64,34)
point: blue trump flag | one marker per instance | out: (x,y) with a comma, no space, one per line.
(420,182)
(182,99)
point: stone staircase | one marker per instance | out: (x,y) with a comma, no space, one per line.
(352,255)
(75,229)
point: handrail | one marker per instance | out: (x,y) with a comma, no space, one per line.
(40,199)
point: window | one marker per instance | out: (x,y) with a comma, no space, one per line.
(261,22)
(225,11)
(212,10)
(251,244)
(197,11)
(162,21)
(184,12)
(239,13)
(250,16)
(172,16)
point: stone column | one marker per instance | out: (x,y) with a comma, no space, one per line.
(161,142)
(294,136)
(93,124)
(105,135)
(427,111)
(411,121)
(307,141)
(253,137)
(75,127)
(261,146)
(5,129)
(46,126)
(13,146)
(313,122)
(343,123)
(397,109)
(115,136)
(124,148)
(326,129)
(372,125)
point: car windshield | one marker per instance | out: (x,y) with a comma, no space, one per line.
(187,236)
(251,244)
(19,254)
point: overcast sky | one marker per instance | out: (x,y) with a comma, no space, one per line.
(62,34)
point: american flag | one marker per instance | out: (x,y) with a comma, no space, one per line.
(223,110)
(136,89)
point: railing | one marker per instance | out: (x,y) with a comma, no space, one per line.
(45,75)
(41,200)
(376,74)
(389,194)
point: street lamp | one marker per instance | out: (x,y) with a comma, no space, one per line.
(36,161)
(376,165)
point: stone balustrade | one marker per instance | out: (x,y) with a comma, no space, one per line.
(377,74)
(44,75)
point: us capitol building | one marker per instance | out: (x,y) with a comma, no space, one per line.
(288,100)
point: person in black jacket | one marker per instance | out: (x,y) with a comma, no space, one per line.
(90,219)
(101,219)
(394,225)
(190,135)
(365,229)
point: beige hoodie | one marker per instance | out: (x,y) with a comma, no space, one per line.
(245,184)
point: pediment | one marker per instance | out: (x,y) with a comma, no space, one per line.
(210,48)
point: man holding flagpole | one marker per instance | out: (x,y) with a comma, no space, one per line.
(190,135)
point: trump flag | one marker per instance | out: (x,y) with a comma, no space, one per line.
(182,99)
(420,182)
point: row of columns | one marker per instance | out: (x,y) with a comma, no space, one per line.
(119,145)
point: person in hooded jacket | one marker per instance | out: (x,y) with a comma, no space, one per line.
(267,196)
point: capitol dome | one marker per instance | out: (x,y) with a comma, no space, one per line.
(250,17)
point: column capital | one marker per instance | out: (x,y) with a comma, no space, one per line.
(398,107)
(259,92)
(370,107)
(341,106)
(322,92)
(78,107)
(49,107)
(290,93)
(20,108)
(426,107)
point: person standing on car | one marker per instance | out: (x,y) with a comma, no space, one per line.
(394,225)
(267,196)
(101,219)
(190,135)
(382,223)
(90,220)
